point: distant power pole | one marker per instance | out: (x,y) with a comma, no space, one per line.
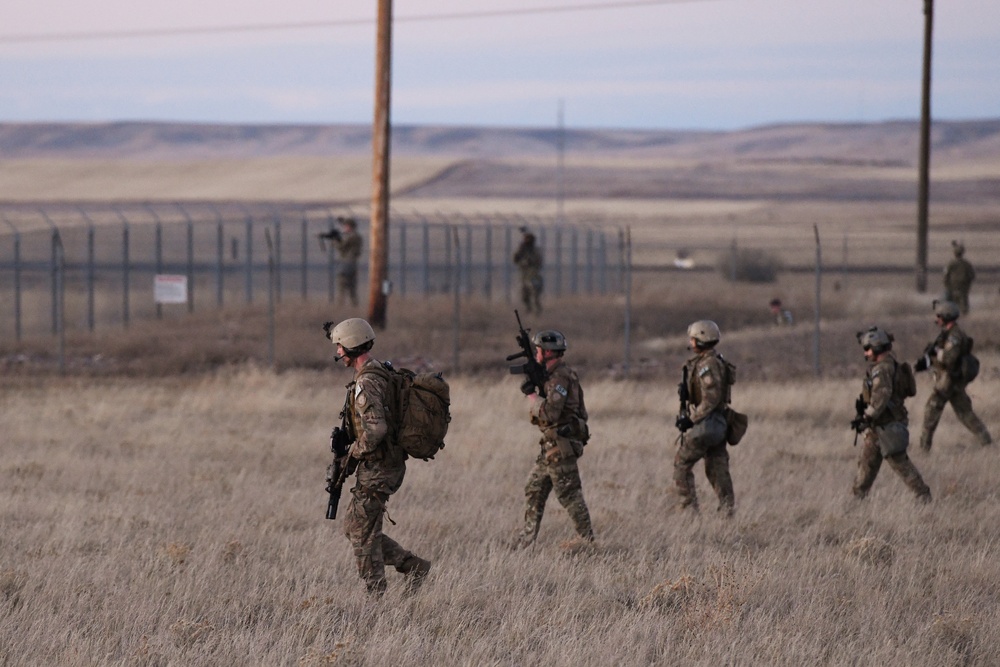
(923,193)
(379,255)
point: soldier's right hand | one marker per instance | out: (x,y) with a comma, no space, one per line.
(922,364)
(683,423)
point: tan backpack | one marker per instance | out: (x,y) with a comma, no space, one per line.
(419,405)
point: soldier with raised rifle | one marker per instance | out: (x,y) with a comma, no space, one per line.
(558,409)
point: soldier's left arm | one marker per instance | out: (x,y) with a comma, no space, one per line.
(709,374)
(881,391)
(546,411)
(950,353)
(369,406)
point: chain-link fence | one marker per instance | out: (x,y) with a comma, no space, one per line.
(80,268)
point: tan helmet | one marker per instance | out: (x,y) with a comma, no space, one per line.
(704,332)
(352,333)
(875,338)
(549,340)
(946,310)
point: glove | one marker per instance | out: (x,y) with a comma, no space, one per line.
(683,423)
(922,364)
(527,387)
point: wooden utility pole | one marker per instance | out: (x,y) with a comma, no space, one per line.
(923,193)
(379,253)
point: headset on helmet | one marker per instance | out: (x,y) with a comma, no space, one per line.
(876,339)
(704,332)
(351,334)
(549,340)
(946,310)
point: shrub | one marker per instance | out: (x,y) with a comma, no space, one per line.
(749,265)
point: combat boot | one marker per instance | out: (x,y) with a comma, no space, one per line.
(415,569)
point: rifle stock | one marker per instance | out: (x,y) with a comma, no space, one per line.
(859,423)
(683,421)
(343,466)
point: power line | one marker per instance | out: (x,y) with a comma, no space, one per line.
(312,25)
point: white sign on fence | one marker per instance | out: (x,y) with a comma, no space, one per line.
(170,289)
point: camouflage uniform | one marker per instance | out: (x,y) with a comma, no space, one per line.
(562,410)
(885,407)
(379,474)
(950,345)
(529,260)
(709,394)
(958,277)
(349,249)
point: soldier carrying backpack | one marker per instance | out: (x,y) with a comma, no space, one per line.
(371,418)
(950,357)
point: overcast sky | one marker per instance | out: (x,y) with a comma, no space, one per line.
(711,64)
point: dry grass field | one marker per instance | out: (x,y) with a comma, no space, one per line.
(162,501)
(179,520)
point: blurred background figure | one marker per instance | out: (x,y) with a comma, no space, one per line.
(958,277)
(782,316)
(348,243)
(528,259)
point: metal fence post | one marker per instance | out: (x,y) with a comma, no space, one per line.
(305,257)
(508,250)
(574,246)
(488,250)
(220,243)
(402,258)
(248,276)
(190,257)
(58,281)
(427,258)
(17,279)
(589,278)
(125,268)
(89,271)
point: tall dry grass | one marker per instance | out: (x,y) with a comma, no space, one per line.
(180,521)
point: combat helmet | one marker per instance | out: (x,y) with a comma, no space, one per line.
(705,332)
(875,339)
(946,310)
(549,339)
(355,335)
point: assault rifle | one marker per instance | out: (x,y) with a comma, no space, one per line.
(343,465)
(860,422)
(535,371)
(683,421)
(332,235)
(923,363)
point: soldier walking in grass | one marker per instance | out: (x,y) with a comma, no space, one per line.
(947,356)
(703,421)
(958,277)
(561,416)
(381,462)
(883,417)
(528,259)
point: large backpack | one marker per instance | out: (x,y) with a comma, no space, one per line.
(420,404)
(968,367)
(905,382)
